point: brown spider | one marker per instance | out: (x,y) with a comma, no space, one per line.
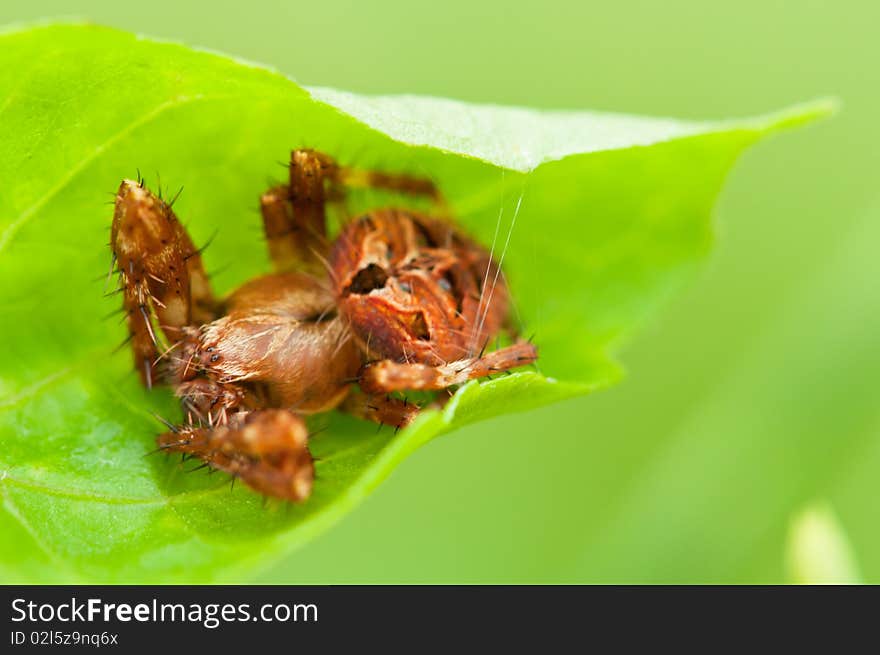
(399,301)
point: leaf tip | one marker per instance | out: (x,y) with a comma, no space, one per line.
(801,114)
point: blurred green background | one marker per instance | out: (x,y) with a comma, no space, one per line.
(754,394)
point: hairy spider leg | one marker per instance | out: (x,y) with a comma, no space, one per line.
(267,449)
(294,215)
(386,375)
(410,185)
(380,408)
(161,274)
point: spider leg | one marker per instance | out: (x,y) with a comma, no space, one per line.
(161,273)
(386,375)
(294,215)
(380,408)
(396,182)
(267,449)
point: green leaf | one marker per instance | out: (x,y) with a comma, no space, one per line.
(599,218)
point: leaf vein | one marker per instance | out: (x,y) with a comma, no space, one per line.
(14,512)
(11,229)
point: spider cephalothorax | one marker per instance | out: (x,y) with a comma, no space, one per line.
(398,301)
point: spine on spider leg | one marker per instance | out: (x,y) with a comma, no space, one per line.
(266,449)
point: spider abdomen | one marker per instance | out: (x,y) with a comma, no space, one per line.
(415,289)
